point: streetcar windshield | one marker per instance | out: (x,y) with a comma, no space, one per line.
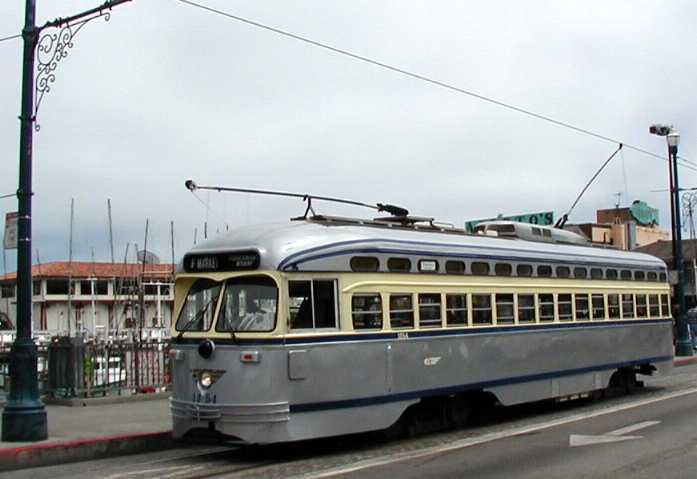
(199,307)
(249,304)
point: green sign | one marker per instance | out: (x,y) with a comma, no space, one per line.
(643,213)
(545,218)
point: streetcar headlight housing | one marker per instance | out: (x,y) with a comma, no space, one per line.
(206,380)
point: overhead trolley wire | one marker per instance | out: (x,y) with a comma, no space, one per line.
(11,37)
(685,162)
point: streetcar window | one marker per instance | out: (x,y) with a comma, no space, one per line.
(481,309)
(480,268)
(399,265)
(563,272)
(598,303)
(544,271)
(401,311)
(662,277)
(504,309)
(596,273)
(249,304)
(665,305)
(641,306)
(364,264)
(523,270)
(611,273)
(546,233)
(199,306)
(654,310)
(536,231)
(429,310)
(455,267)
(652,276)
(564,307)
(613,305)
(640,276)
(628,306)
(546,307)
(366,310)
(456,309)
(526,308)
(582,312)
(428,266)
(625,274)
(503,269)
(312,304)
(580,273)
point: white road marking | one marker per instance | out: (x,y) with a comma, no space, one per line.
(577,440)
(632,428)
(149,472)
(464,443)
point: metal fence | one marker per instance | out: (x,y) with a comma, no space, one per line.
(71,367)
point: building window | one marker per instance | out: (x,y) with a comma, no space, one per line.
(504,309)
(563,272)
(364,264)
(546,307)
(564,307)
(544,271)
(582,311)
(58,286)
(312,304)
(429,310)
(366,310)
(401,311)
(641,309)
(598,302)
(523,270)
(654,310)
(455,267)
(480,268)
(596,273)
(503,269)
(481,309)
(526,308)
(613,305)
(628,306)
(7,291)
(456,309)
(428,266)
(36,288)
(399,265)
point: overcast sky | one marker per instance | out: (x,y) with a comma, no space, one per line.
(164,92)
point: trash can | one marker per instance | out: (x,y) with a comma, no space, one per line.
(66,359)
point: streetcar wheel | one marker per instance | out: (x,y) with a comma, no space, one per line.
(396,431)
(458,410)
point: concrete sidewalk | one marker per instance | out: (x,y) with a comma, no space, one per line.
(100,429)
(103,428)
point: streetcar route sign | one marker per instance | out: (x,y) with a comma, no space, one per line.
(10,240)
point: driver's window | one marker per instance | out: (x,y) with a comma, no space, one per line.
(312,304)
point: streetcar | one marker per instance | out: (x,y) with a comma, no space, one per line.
(324,326)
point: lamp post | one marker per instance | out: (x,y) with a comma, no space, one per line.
(683,346)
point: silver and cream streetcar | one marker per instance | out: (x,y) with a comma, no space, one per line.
(325,326)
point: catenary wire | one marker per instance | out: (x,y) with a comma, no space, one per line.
(11,37)
(685,162)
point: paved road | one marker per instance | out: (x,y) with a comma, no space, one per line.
(539,447)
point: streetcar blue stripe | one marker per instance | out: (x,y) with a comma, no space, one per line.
(290,258)
(426,334)
(410,395)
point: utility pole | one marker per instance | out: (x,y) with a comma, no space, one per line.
(24,416)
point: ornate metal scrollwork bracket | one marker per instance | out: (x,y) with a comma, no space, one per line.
(52,48)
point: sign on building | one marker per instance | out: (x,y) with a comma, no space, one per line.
(545,218)
(10,240)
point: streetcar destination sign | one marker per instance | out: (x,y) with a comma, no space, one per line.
(545,218)
(241,261)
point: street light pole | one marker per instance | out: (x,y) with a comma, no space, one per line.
(683,346)
(24,416)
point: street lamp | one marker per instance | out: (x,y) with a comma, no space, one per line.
(683,346)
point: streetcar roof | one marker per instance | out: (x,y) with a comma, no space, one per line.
(313,245)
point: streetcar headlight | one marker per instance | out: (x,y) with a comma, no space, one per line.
(206,379)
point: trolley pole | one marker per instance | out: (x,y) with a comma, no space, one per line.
(24,416)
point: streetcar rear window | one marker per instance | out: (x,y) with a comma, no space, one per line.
(199,306)
(249,304)
(366,310)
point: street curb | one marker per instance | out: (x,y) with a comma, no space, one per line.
(39,455)
(102,401)
(684,361)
